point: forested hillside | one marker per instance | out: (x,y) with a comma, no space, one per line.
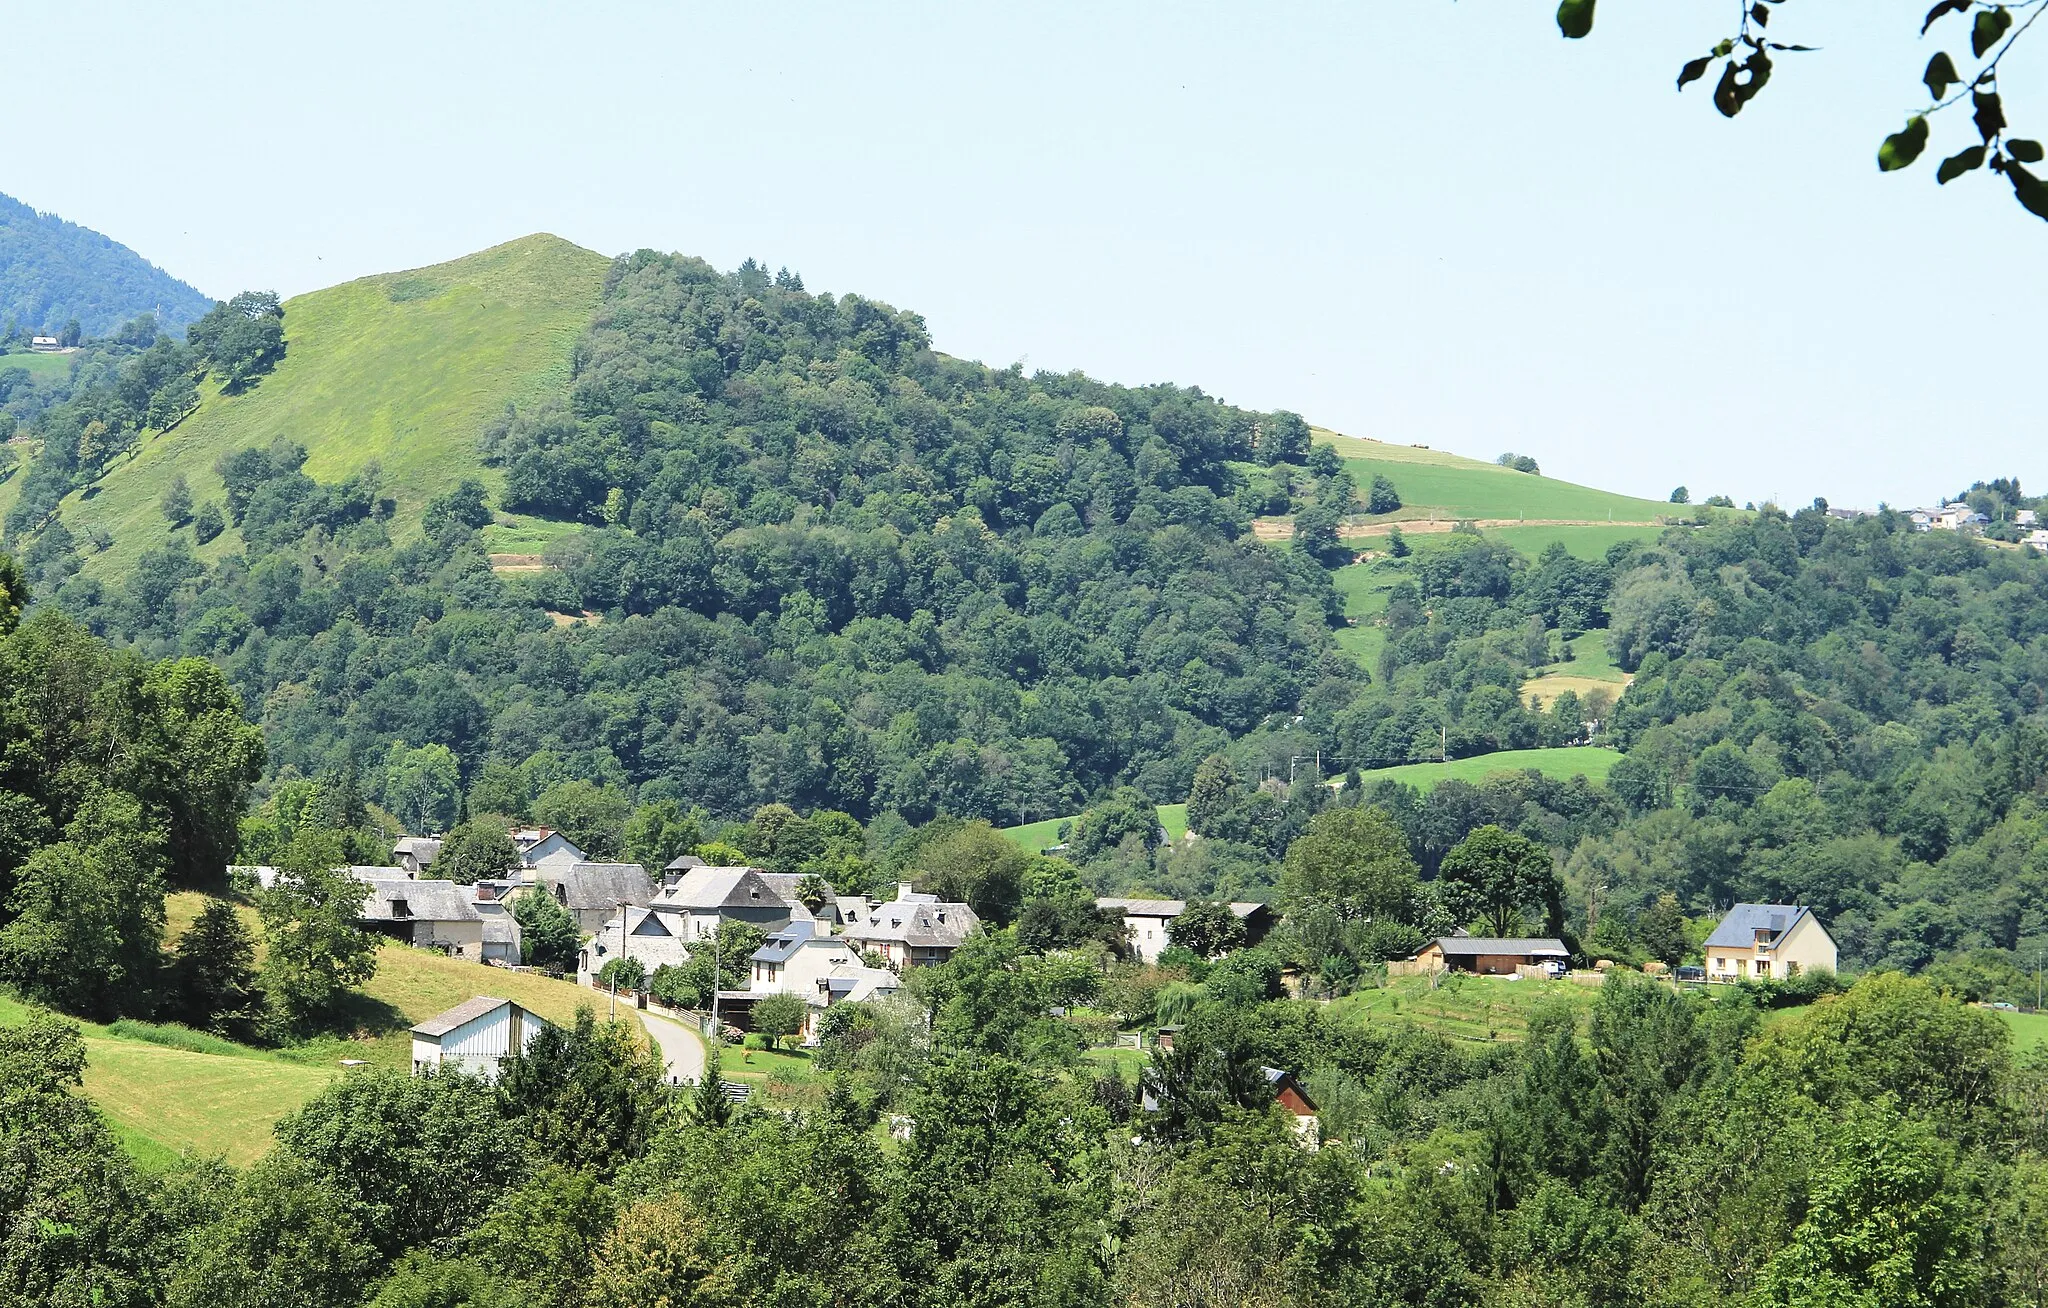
(55,274)
(798,556)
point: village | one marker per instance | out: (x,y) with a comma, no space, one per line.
(822,949)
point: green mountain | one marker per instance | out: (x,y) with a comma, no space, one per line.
(53,272)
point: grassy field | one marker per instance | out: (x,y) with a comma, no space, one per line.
(516,533)
(404,369)
(164,1101)
(1464,1007)
(1590,670)
(2029,1030)
(1589,761)
(1036,836)
(38,366)
(1459,487)
(168,1091)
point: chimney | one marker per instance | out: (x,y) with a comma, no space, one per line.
(905,890)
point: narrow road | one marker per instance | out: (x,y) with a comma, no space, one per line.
(681,1048)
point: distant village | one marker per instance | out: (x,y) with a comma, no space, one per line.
(830,949)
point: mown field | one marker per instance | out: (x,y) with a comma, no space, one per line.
(405,369)
(1037,836)
(38,366)
(1589,761)
(169,1091)
(1459,487)
(2029,1030)
(1590,670)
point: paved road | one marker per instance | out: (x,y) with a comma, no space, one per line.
(681,1048)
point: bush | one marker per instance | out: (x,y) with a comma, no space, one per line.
(625,973)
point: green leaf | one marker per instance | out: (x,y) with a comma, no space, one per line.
(1694,70)
(2029,190)
(1940,75)
(1990,25)
(1575,18)
(1957,164)
(1723,50)
(1945,7)
(1728,91)
(2024,150)
(1990,115)
(1761,15)
(1902,148)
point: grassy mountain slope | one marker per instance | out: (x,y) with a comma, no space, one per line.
(404,368)
(168,1090)
(1457,487)
(52,271)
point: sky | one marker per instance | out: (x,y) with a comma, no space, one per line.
(1431,221)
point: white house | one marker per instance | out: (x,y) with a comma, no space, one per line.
(822,969)
(474,1037)
(1145,920)
(2038,538)
(539,845)
(2026,517)
(44,344)
(502,937)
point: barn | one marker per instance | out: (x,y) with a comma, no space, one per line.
(474,1037)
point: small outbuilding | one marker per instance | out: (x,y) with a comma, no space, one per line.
(474,1037)
(1489,955)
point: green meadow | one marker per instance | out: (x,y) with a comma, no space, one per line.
(405,369)
(1589,761)
(1454,486)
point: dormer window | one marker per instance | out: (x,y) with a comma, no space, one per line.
(401,908)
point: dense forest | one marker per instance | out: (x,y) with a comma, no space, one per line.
(55,274)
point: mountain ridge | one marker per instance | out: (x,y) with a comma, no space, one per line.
(53,271)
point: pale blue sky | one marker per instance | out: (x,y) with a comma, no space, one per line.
(1418,221)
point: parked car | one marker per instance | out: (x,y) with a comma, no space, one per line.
(1690,973)
(1556,968)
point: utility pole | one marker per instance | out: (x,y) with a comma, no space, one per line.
(717,976)
(622,954)
(1443,743)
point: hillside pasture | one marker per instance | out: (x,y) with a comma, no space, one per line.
(1458,487)
(1589,761)
(39,366)
(169,1091)
(404,369)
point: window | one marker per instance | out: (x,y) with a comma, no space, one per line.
(400,908)
(1763,967)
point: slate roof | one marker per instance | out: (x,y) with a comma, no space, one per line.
(782,946)
(1738,929)
(423,848)
(1527,946)
(468,1010)
(705,888)
(425,901)
(597,885)
(915,923)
